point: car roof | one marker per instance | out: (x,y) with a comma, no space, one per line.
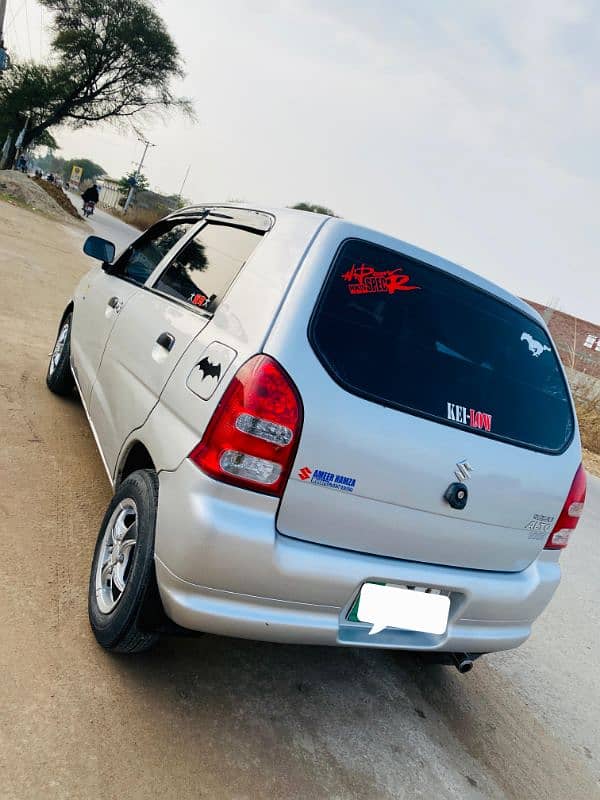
(354,230)
(247,209)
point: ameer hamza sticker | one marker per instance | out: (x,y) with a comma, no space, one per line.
(468,416)
(328,479)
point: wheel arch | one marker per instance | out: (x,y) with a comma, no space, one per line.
(68,310)
(152,616)
(136,456)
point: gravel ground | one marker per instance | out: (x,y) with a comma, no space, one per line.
(20,190)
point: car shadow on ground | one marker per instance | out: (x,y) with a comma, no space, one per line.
(333,706)
(350,716)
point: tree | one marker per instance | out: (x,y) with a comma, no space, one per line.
(317,209)
(50,163)
(91,170)
(58,165)
(141,182)
(23,88)
(111,60)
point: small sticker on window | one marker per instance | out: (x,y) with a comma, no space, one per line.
(198,299)
(364,279)
(469,416)
(535,348)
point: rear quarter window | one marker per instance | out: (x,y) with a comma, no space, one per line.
(202,272)
(404,334)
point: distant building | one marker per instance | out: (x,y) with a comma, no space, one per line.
(110,193)
(577,340)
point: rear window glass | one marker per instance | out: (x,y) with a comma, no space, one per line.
(407,335)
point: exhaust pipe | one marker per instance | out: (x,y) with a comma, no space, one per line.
(463,662)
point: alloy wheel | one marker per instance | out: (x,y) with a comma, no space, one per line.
(116,555)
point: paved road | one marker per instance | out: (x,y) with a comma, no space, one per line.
(106,225)
(221,718)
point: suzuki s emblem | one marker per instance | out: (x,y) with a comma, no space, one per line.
(463,470)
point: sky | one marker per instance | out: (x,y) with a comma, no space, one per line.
(470,129)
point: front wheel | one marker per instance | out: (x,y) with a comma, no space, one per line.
(122,571)
(59,378)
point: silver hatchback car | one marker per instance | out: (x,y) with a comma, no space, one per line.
(317,433)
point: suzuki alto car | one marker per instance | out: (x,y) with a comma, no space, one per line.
(317,433)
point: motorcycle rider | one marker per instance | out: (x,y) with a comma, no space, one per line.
(91,195)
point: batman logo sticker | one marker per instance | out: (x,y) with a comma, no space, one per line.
(209,369)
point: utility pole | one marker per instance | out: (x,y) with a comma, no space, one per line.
(146,144)
(183,184)
(4,61)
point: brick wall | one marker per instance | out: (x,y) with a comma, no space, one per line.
(578,341)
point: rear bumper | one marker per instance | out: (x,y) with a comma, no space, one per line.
(222,568)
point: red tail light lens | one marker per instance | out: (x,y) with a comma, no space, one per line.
(570,514)
(253,435)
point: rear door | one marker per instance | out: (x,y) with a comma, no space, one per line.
(159,323)
(412,379)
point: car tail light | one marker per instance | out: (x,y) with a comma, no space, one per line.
(253,435)
(570,514)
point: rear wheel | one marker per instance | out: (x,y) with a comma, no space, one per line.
(59,378)
(122,574)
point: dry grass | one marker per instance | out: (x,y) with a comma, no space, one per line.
(9,198)
(588,414)
(140,218)
(591,462)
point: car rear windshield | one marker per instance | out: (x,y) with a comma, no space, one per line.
(404,334)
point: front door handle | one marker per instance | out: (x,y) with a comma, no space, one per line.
(166,340)
(115,303)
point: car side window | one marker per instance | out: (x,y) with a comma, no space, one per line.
(205,268)
(140,260)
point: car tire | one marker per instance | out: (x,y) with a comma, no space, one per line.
(59,377)
(122,574)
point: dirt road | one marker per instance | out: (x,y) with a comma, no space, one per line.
(219,718)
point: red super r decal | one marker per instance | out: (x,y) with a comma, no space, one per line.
(364,279)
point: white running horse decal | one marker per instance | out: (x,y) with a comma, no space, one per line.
(535,347)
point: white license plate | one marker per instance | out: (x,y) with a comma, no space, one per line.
(396,607)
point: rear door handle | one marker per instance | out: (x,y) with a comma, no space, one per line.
(115,303)
(166,340)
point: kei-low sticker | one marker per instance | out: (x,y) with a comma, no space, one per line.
(329,480)
(469,416)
